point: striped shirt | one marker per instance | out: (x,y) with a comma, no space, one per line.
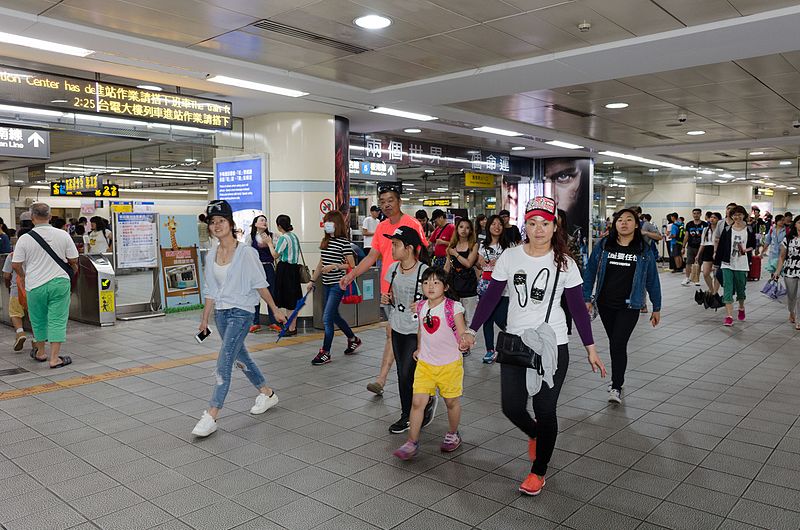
(338,248)
(288,248)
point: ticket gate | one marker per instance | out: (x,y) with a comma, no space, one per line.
(366,312)
(93,300)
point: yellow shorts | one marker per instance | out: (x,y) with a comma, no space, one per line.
(448,378)
(15,309)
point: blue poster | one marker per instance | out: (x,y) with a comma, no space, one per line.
(240,183)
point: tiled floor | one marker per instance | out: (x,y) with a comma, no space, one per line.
(707,438)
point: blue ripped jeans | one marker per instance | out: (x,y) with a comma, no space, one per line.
(233,325)
(331,316)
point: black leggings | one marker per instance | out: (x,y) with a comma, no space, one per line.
(514,397)
(619,324)
(404,347)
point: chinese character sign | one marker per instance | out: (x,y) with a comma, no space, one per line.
(240,181)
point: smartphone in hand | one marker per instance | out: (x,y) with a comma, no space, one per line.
(203,335)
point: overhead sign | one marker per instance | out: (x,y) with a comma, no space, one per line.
(365,168)
(479,180)
(766,192)
(436,202)
(40,89)
(24,143)
(61,189)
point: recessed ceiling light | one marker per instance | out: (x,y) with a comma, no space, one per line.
(756,153)
(786,162)
(619,105)
(373,22)
(261,87)
(48,46)
(402,114)
(565,145)
(608,162)
(695,133)
(518,148)
(412,131)
(653,170)
(152,88)
(494,130)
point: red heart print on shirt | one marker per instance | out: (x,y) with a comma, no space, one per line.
(431,324)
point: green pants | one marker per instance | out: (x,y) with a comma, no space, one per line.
(733,281)
(48,309)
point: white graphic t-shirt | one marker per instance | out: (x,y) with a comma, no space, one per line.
(530,284)
(738,260)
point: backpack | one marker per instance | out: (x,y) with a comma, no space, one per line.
(449,314)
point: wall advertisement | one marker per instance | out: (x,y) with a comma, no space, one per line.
(242,181)
(136,242)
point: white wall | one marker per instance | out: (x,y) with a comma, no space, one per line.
(661,197)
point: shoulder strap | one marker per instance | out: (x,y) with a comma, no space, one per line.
(553,294)
(47,248)
(449,315)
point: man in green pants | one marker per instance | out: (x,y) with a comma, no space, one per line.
(43,258)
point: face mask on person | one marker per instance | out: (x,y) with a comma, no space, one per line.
(330,228)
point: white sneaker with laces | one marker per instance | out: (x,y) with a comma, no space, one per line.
(686,282)
(206,426)
(614,396)
(264,403)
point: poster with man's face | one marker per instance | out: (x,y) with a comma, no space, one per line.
(568,181)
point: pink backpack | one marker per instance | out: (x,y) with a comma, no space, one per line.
(449,315)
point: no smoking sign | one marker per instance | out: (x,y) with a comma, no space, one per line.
(325,206)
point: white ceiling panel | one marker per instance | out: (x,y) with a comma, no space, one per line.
(637,17)
(749,7)
(479,10)
(532,29)
(693,12)
(567,17)
(496,41)
(259,8)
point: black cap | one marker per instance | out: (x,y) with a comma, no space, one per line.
(504,212)
(374,208)
(219,208)
(407,235)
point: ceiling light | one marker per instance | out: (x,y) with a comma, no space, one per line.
(412,131)
(152,88)
(47,46)
(232,81)
(695,133)
(785,162)
(59,101)
(403,114)
(518,148)
(756,153)
(727,176)
(643,160)
(652,170)
(137,181)
(565,145)
(493,130)
(373,22)
(705,172)
(28,110)
(429,171)
(190,160)
(19,181)
(619,105)
(608,162)
(617,179)
(618,172)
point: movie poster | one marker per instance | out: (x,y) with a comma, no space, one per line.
(569,181)
(342,165)
(510,200)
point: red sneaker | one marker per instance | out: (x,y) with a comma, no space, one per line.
(741,315)
(275,327)
(533,485)
(255,328)
(728,321)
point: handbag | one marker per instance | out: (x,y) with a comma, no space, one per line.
(22,296)
(512,351)
(463,280)
(73,277)
(352,294)
(304,273)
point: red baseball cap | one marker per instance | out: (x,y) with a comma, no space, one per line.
(542,206)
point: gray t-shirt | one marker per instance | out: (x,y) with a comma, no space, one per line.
(404,287)
(720,227)
(649,227)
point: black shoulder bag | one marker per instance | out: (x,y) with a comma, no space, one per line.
(52,253)
(512,351)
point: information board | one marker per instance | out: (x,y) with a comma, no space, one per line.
(41,89)
(136,244)
(241,181)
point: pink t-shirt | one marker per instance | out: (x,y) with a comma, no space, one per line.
(384,245)
(438,345)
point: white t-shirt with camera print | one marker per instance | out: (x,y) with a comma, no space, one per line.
(530,283)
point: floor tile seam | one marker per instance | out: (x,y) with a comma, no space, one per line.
(149,368)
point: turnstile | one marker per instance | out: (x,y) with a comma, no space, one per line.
(93,300)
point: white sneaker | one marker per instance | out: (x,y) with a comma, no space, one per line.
(614,396)
(686,282)
(264,403)
(697,284)
(207,425)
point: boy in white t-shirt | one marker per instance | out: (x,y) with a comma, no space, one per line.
(439,361)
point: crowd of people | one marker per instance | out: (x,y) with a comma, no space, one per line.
(441,283)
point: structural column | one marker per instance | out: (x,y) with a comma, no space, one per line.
(300,149)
